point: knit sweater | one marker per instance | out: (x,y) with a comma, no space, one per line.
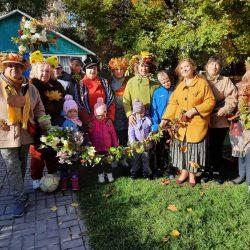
(53,107)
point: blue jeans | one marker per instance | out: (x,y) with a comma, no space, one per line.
(244,167)
(15,160)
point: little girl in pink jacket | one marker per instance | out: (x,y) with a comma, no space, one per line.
(103,136)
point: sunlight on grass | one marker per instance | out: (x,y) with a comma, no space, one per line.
(135,215)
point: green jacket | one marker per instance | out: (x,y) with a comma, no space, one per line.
(141,88)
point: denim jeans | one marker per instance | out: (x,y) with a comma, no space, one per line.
(244,167)
(15,160)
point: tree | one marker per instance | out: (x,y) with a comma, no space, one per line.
(32,7)
(171,29)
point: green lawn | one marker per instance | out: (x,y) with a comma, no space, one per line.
(134,215)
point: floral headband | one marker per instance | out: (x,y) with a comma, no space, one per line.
(118,63)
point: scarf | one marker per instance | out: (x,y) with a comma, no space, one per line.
(15,114)
(75,120)
(118,86)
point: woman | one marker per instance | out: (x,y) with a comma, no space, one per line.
(226,101)
(240,130)
(52,95)
(141,87)
(118,82)
(92,87)
(20,107)
(191,102)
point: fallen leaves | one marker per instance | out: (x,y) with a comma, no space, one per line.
(202,193)
(172,208)
(53,209)
(110,192)
(165,181)
(165,238)
(74,204)
(175,233)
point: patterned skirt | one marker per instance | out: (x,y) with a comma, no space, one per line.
(189,156)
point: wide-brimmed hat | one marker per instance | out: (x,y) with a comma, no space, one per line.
(12,58)
(90,61)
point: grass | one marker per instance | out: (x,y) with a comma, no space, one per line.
(131,214)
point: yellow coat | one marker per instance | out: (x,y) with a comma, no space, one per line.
(196,95)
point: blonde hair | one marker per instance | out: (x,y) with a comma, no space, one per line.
(178,68)
(246,76)
(35,68)
(161,73)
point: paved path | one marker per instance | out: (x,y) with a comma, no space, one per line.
(40,227)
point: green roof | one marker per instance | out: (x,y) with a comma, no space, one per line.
(9,26)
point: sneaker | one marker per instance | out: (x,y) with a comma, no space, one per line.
(19,208)
(110,177)
(238,180)
(101,178)
(36,184)
(75,185)
(64,184)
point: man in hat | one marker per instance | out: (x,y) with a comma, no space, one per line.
(20,108)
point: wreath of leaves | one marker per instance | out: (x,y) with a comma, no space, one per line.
(69,145)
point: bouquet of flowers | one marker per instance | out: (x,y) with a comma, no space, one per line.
(33,35)
(66,142)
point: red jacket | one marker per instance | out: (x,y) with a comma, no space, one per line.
(102,135)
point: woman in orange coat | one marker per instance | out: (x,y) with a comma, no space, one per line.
(191,102)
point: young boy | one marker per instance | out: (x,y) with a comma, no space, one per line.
(159,103)
(140,132)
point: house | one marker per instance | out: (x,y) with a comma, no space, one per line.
(65,48)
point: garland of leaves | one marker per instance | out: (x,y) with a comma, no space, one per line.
(71,145)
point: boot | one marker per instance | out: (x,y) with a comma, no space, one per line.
(110,177)
(64,183)
(74,181)
(101,178)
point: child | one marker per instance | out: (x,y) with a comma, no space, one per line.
(139,132)
(102,136)
(70,110)
(158,106)
(240,130)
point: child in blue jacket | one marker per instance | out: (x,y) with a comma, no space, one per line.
(159,103)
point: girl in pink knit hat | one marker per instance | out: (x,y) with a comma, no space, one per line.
(70,110)
(103,136)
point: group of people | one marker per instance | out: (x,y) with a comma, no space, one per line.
(122,110)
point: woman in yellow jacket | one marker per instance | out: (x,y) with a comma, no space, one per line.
(191,102)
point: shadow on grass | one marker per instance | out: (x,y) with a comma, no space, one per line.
(130,214)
